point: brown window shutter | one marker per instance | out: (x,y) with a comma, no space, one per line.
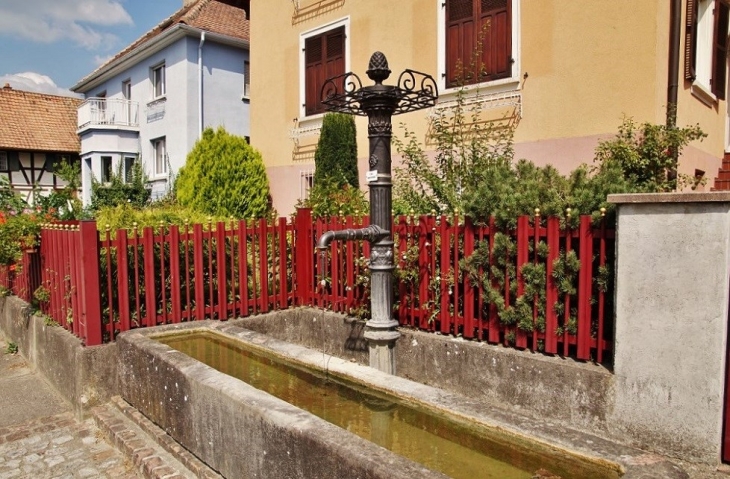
(335,53)
(478,41)
(495,34)
(690,39)
(719,50)
(460,38)
(324,57)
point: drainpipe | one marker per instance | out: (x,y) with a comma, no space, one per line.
(675,24)
(200,85)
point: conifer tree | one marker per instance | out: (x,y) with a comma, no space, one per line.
(336,156)
(224,176)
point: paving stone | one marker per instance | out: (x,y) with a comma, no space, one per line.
(62,449)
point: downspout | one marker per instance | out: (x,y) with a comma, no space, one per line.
(675,25)
(200,85)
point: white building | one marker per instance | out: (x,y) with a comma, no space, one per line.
(151,101)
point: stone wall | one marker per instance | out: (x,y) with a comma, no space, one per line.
(673,259)
(85,377)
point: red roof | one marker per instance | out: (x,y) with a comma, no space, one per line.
(215,16)
(38,122)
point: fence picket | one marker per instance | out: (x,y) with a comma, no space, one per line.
(264,265)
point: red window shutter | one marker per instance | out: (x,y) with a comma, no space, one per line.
(478,41)
(719,50)
(335,53)
(324,57)
(495,33)
(690,39)
(460,39)
(313,66)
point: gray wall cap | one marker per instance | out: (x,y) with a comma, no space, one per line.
(698,197)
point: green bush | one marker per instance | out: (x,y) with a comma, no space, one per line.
(224,176)
(125,216)
(117,191)
(336,155)
(474,170)
(329,198)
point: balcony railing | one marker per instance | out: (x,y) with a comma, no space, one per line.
(114,112)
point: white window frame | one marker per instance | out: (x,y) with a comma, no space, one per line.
(155,156)
(102,177)
(704,49)
(342,22)
(126,172)
(246,80)
(156,70)
(496,86)
(306,182)
(4,163)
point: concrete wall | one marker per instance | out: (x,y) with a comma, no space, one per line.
(85,377)
(577,394)
(239,430)
(672,291)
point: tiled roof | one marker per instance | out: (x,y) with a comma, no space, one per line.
(38,122)
(214,16)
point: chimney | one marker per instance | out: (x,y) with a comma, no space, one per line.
(7,87)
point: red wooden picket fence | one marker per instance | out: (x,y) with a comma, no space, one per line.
(101,284)
(22,279)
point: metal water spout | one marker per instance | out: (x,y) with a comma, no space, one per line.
(345,94)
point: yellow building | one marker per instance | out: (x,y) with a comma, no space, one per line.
(565,72)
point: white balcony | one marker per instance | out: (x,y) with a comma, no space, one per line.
(108,113)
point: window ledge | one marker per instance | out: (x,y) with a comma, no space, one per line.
(155,101)
(309,126)
(480,89)
(506,94)
(703,93)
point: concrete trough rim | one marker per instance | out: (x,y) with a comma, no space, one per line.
(410,392)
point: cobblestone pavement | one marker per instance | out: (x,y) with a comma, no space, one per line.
(59,447)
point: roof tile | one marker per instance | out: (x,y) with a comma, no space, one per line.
(38,122)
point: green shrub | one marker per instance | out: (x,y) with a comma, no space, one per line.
(125,216)
(329,198)
(117,191)
(336,155)
(224,176)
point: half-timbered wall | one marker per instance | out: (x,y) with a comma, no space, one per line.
(26,170)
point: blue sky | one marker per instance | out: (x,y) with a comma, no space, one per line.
(48,45)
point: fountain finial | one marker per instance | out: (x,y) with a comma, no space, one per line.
(378,70)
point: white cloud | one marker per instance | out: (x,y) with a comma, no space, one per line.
(48,21)
(31,81)
(101,59)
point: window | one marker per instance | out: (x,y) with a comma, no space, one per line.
(4,161)
(106,169)
(160,156)
(306,181)
(158,81)
(129,162)
(127,95)
(706,47)
(246,79)
(478,41)
(100,104)
(324,57)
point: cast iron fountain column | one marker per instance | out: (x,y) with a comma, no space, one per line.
(379,102)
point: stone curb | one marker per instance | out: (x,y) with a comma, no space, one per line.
(155,454)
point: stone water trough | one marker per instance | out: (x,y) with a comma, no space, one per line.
(241,431)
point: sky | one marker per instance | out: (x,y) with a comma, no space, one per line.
(49,45)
